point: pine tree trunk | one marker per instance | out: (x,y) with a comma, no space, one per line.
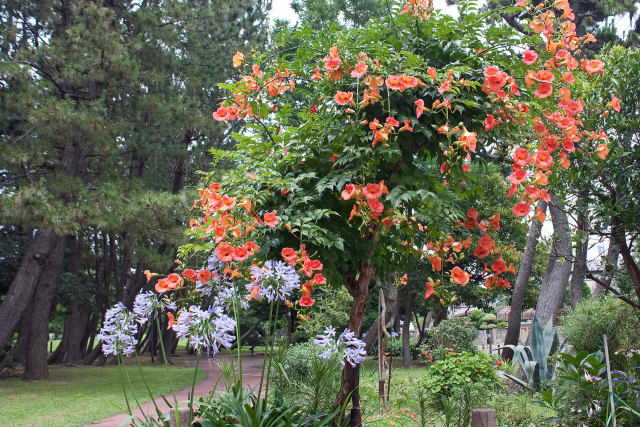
(524,272)
(406,323)
(556,277)
(24,283)
(35,364)
(580,260)
(77,315)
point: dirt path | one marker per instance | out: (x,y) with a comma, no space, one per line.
(251,369)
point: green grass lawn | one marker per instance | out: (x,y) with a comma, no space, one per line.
(74,396)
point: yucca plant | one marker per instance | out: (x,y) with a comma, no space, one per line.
(534,359)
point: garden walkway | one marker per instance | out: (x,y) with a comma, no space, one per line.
(251,367)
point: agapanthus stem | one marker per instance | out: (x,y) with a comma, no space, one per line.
(146,384)
(133,392)
(238,339)
(193,386)
(164,357)
(264,356)
(124,392)
(275,325)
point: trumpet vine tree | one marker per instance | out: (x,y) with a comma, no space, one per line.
(359,148)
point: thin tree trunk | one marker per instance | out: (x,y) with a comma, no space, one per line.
(612,262)
(406,323)
(359,289)
(391,303)
(35,366)
(556,277)
(580,260)
(24,283)
(620,237)
(524,272)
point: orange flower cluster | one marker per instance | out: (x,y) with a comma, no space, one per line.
(367,198)
(307,266)
(558,130)
(444,252)
(421,9)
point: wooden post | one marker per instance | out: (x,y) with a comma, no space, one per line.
(483,418)
(184,417)
(611,400)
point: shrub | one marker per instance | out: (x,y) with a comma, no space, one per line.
(459,382)
(584,326)
(581,393)
(394,346)
(459,371)
(450,335)
(302,378)
(476,315)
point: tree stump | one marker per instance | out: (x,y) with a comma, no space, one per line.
(184,418)
(483,418)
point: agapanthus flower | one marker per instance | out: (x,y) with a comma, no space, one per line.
(275,279)
(351,348)
(143,306)
(118,331)
(209,329)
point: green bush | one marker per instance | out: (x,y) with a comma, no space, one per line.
(584,326)
(302,378)
(458,383)
(394,346)
(450,335)
(476,315)
(459,371)
(489,318)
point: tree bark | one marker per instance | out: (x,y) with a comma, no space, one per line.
(612,260)
(580,260)
(35,365)
(69,350)
(620,237)
(556,277)
(519,288)
(359,289)
(391,303)
(24,283)
(406,323)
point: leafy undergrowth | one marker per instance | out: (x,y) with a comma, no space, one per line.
(403,407)
(74,396)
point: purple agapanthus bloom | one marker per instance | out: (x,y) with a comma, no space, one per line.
(206,328)
(143,306)
(351,348)
(276,280)
(118,331)
(354,351)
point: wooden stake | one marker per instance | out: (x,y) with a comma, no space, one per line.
(483,418)
(611,400)
(183,418)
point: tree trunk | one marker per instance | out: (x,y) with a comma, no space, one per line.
(620,237)
(612,262)
(519,288)
(406,323)
(76,318)
(359,289)
(24,283)
(35,366)
(580,260)
(556,277)
(391,303)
